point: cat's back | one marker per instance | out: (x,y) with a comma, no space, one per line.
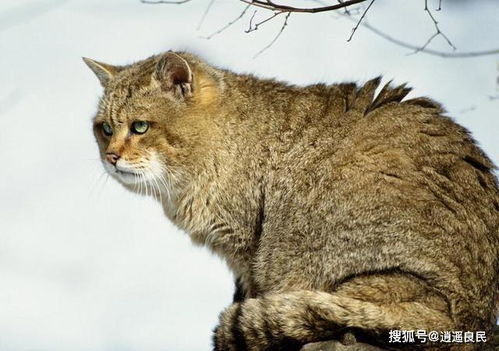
(360,137)
(412,147)
(393,184)
(406,148)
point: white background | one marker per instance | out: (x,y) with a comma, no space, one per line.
(85,265)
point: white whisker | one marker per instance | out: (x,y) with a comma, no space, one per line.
(140,183)
(135,183)
(96,183)
(160,199)
(162,180)
(146,182)
(165,183)
(153,189)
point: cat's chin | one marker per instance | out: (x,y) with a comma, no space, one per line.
(127,178)
(124,177)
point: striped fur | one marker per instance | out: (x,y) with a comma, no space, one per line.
(288,320)
(340,211)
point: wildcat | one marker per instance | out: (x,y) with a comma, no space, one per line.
(338,210)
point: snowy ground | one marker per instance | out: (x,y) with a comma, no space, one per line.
(85,265)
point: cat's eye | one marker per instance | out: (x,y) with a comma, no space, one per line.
(140,127)
(107,129)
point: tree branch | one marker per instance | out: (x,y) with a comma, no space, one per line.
(270,5)
(279,9)
(360,20)
(464,54)
(415,48)
(437,31)
(285,23)
(205,13)
(241,15)
(255,27)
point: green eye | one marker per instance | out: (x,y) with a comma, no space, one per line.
(140,127)
(107,129)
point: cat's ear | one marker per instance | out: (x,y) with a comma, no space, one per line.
(103,71)
(174,75)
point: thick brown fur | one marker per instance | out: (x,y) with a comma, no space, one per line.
(338,210)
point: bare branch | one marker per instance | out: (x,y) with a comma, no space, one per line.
(251,21)
(241,15)
(398,42)
(270,5)
(276,37)
(255,27)
(464,54)
(205,13)
(428,41)
(360,20)
(278,9)
(437,31)
(347,11)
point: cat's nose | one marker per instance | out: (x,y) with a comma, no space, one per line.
(112,157)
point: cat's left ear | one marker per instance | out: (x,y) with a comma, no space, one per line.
(174,75)
(103,71)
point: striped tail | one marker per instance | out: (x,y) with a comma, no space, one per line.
(289,320)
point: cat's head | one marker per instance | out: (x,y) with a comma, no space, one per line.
(152,124)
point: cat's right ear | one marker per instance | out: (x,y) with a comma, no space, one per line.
(103,71)
(174,75)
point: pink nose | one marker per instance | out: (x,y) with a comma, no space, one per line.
(112,157)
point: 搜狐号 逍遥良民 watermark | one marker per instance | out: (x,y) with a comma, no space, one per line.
(424,336)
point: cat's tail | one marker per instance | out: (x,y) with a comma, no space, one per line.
(288,320)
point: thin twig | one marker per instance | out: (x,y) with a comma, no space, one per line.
(344,4)
(423,47)
(347,11)
(241,15)
(269,5)
(398,42)
(276,37)
(205,13)
(437,31)
(255,27)
(360,20)
(251,20)
(464,54)
(439,5)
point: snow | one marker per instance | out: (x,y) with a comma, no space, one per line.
(85,265)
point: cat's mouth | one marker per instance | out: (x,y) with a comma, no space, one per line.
(126,173)
(136,173)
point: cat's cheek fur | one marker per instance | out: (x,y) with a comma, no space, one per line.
(147,170)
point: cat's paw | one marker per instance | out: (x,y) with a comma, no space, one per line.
(228,336)
(253,325)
